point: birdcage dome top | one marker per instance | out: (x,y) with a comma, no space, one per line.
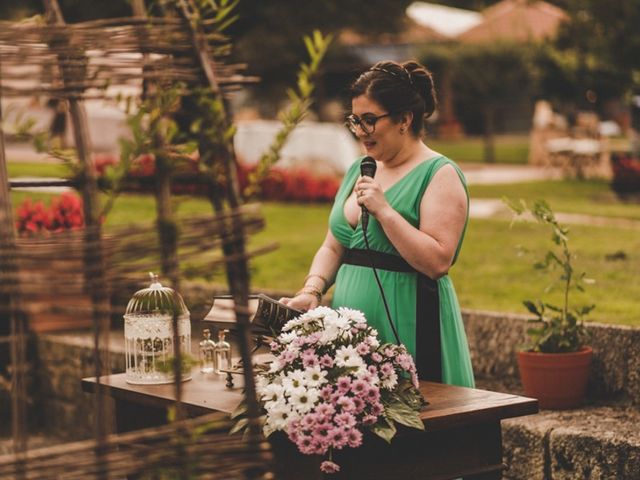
(156,300)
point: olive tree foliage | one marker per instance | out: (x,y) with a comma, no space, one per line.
(604,40)
(267,33)
(488,77)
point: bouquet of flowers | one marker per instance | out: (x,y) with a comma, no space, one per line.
(332,379)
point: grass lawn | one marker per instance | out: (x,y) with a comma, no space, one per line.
(494,271)
(20,169)
(509,148)
(590,197)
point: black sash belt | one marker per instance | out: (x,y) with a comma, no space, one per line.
(428,348)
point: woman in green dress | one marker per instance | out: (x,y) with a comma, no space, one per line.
(418,205)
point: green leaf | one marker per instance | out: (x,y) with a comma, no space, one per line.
(239,426)
(385,429)
(171,414)
(532,307)
(518,208)
(267,430)
(241,409)
(553,307)
(404,415)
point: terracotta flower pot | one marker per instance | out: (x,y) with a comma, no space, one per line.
(557,380)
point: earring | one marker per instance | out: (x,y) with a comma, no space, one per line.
(401,129)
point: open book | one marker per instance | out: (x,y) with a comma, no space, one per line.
(267,316)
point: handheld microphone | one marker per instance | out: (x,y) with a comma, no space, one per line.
(367,169)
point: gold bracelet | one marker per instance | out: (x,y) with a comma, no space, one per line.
(311,291)
(311,275)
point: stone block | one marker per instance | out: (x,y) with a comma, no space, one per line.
(494,339)
(524,446)
(632,381)
(595,443)
(612,345)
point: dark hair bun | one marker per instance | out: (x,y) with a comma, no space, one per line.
(422,80)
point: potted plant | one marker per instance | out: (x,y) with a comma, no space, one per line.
(554,365)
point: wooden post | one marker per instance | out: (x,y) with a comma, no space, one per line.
(233,248)
(14,313)
(94,260)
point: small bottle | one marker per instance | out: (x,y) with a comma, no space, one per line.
(207,353)
(223,352)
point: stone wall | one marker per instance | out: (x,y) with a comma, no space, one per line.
(63,409)
(494,339)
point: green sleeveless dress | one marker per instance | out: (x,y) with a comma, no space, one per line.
(356,287)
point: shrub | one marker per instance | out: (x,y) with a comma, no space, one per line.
(65,213)
(285,185)
(294,185)
(626,173)
(33,218)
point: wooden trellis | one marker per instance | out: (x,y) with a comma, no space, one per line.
(96,60)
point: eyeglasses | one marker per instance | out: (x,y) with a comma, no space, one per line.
(367,122)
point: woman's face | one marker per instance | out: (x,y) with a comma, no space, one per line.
(386,140)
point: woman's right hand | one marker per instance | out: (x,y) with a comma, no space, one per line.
(302,302)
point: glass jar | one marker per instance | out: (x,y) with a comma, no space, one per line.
(208,358)
(223,352)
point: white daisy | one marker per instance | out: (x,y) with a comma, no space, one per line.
(329,334)
(348,357)
(323,312)
(261,383)
(315,376)
(287,337)
(361,370)
(279,415)
(390,382)
(293,380)
(272,393)
(304,399)
(275,366)
(372,340)
(354,315)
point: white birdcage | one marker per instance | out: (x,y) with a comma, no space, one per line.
(148,334)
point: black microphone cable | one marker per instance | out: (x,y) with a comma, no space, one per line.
(375,273)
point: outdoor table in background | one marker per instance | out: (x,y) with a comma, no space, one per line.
(462,436)
(574,155)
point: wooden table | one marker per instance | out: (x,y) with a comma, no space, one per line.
(462,436)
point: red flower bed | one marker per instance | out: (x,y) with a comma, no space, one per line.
(293,185)
(65,213)
(626,173)
(33,218)
(280,185)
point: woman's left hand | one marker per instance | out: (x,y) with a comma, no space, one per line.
(370,194)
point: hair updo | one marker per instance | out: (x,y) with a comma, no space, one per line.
(398,88)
